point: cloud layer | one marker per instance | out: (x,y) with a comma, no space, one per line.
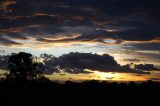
(131,25)
(94,21)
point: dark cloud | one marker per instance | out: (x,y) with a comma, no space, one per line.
(7,42)
(96,36)
(48,70)
(137,20)
(155,79)
(87,61)
(4,5)
(132,60)
(147,67)
(16,36)
(143,46)
(144,51)
(141,32)
(76,63)
(27,21)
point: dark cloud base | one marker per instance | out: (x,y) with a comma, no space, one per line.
(76,63)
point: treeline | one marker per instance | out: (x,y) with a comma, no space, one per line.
(45,83)
(45,92)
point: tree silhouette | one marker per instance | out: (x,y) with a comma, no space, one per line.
(22,67)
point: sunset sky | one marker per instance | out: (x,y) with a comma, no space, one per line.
(128,30)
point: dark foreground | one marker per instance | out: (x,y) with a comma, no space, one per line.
(78,94)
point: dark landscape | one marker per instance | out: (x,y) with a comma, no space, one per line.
(45,92)
(25,85)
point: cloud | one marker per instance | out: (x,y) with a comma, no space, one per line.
(146,67)
(85,63)
(155,79)
(144,32)
(4,5)
(132,60)
(7,42)
(76,63)
(148,52)
(151,46)
(95,20)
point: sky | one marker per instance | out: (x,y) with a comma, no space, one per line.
(128,30)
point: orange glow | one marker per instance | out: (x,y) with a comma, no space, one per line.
(101,76)
(4,5)
(111,30)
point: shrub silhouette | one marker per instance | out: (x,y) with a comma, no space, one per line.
(22,67)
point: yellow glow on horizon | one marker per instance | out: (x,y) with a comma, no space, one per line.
(111,30)
(114,76)
(104,75)
(101,76)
